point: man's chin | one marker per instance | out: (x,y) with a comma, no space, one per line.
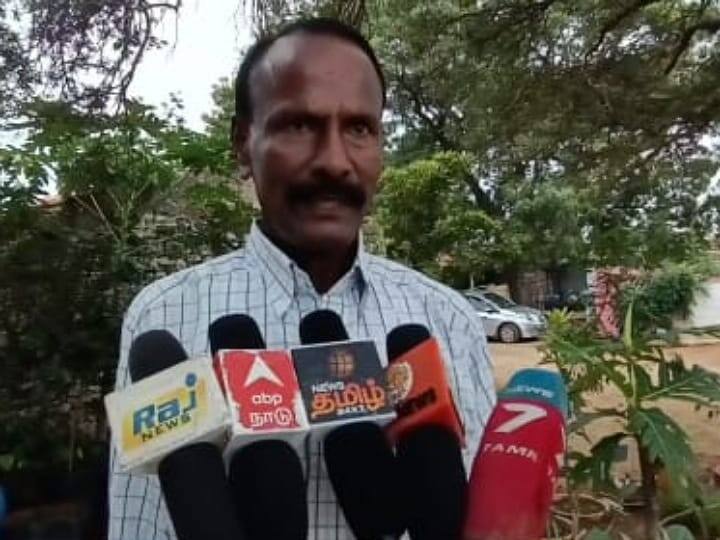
(328,237)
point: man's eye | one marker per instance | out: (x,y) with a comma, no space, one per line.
(298,126)
(360,129)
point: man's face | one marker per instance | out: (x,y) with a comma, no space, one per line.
(314,145)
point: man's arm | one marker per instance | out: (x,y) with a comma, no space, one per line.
(136,508)
(469,371)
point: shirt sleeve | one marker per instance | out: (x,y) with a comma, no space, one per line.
(136,507)
(469,371)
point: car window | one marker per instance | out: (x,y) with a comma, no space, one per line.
(499,300)
(479,304)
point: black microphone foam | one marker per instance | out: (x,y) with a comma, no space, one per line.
(358,458)
(404,338)
(270,493)
(192,478)
(430,462)
(322,326)
(433,475)
(266,477)
(363,472)
(152,352)
(235,331)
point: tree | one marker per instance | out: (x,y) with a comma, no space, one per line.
(429,221)
(560,95)
(599,108)
(140,196)
(80,51)
(268,14)
(636,369)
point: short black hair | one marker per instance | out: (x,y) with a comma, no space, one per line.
(315,26)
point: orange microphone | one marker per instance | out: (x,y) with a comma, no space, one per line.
(418,384)
(428,435)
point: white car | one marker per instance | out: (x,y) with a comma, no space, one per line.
(505,320)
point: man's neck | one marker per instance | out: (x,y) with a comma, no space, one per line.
(324,268)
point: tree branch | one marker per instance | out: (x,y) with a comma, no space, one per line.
(418,106)
(127,79)
(619,17)
(513,18)
(710,25)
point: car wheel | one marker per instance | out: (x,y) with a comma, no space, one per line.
(509,333)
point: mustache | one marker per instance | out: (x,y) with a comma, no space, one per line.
(345,192)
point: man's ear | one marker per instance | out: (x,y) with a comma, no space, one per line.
(240,134)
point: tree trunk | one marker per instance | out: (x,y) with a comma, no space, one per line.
(651,511)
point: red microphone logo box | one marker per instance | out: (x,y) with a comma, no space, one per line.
(263,392)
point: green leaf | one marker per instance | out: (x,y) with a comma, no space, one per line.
(7,461)
(667,443)
(588,365)
(643,382)
(628,328)
(583,419)
(696,385)
(598,534)
(677,532)
(596,467)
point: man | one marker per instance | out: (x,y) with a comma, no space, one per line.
(308,129)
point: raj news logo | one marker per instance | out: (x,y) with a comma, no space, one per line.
(166,414)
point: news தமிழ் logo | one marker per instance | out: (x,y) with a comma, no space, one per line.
(342,363)
(341,380)
(177,409)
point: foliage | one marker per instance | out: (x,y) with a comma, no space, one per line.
(139,196)
(666,292)
(59,308)
(268,14)
(586,123)
(639,372)
(431,222)
(587,146)
(428,220)
(80,51)
(672,532)
(541,102)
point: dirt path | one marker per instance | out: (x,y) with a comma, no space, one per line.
(704,432)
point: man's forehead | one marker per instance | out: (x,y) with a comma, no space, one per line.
(292,56)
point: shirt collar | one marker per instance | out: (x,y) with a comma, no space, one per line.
(290,279)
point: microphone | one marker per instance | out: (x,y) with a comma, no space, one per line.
(341,380)
(192,477)
(234,331)
(261,386)
(428,435)
(270,493)
(266,475)
(359,461)
(514,472)
(172,402)
(418,383)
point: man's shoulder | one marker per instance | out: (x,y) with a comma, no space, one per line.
(186,281)
(394,274)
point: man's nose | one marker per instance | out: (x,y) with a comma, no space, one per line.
(332,157)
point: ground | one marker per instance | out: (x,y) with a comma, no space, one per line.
(704,432)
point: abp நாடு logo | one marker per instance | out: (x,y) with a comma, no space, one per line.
(262,389)
(167,413)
